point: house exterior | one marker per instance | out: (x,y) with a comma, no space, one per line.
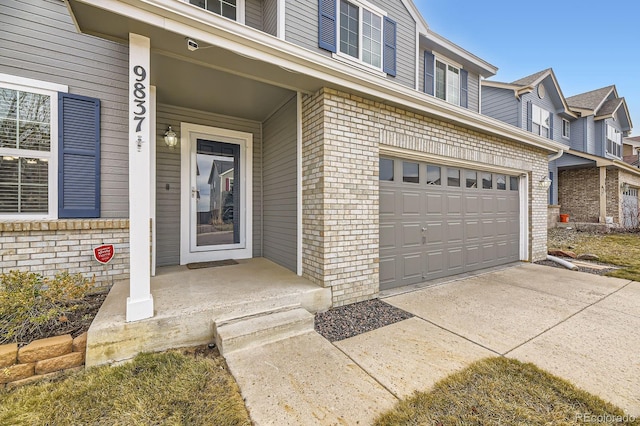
(591,126)
(360,159)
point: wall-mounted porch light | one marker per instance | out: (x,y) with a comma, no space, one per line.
(544,183)
(624,186)
(170,138)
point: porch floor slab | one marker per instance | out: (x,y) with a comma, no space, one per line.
(188,301)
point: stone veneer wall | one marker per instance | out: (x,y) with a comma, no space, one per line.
(553,216)
(342,134)
(40,359)
(52,246)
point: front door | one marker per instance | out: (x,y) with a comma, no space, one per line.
(215,192)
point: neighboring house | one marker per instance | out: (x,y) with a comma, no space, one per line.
(631,150)
(361,161)
(591,125)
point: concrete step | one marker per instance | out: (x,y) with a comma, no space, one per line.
(259,330)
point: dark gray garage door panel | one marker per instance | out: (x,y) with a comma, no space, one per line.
(432,231)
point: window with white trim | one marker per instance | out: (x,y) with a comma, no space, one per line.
(614,141)
(228,8)
(447,82)
(360,32)
(566,128)
(28,133)
(540,121)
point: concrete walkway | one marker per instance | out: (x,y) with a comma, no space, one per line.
(582,327)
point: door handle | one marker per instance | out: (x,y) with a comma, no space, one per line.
(194,192)
(424,229)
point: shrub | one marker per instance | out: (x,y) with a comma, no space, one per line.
(29,302)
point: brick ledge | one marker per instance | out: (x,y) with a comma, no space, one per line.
(12,225)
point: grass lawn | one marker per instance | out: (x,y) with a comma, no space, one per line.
(617,249)
(168,388)
(503,391)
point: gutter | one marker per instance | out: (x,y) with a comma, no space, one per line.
(556,155)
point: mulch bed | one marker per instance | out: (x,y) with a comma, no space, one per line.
(74,322)
(350,320)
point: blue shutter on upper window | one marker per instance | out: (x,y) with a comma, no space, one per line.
(327,22)
(429,72)
(78,156)
(529,116)
(464,88)
(389,53)
(550,125)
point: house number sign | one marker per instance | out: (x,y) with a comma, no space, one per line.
(139,99)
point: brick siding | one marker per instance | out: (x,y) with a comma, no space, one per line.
(49,247)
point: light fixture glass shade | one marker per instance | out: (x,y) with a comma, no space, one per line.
(170,138)
(545,182)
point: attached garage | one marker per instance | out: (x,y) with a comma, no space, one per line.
(437,221)
(630,211)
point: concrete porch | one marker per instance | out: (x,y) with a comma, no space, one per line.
(187,302)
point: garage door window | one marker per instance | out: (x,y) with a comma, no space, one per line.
(410,172)
(487,181)
(433,175)
(386,169)
(453,177)
(513,183)
(501,182)
(471,179)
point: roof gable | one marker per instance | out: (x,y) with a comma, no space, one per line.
(590,100)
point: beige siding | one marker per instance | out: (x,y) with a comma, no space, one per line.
(168,177)
(280,187)
(38,40)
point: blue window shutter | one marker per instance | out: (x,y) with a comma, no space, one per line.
(389,54)
(78,156)
(529,116)
(550,125)
(464,88)
(327,31)
(429,73)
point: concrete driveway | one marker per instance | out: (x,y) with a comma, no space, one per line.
(582,327)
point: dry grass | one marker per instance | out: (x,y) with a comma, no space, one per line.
(499,391)
(616,249)
(168,388)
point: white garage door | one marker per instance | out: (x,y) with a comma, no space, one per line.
(437,221)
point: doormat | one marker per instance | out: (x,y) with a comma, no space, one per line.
(200,265)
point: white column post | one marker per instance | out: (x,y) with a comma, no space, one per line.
(140,301)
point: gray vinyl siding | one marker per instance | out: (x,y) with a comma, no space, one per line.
(253,14)
(501,104)
(301,28)
(591,136)
(168,173)
(553,189)
(577,136)
(474,95)
(39,41)
(599,136)
(270,17)
(280,187)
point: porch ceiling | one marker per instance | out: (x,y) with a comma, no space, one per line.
(210,79)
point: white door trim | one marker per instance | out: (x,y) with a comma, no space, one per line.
(189,133)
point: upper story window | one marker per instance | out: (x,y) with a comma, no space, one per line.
(360,32)
(231,9)
(447,82)
(566,128)
(614,141)
(540,121)
(26,168)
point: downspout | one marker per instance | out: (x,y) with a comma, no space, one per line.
(554,185)
(556,155)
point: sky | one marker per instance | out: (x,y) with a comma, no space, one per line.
(588,45)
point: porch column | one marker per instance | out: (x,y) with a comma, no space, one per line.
(140,301)
(603,193)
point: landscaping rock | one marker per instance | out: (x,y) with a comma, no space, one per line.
(16,372)
(46,348)
(80,343)
(74,359)
(563,253)
(588,256)
(8,354)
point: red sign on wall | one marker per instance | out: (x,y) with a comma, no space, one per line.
(104,253)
